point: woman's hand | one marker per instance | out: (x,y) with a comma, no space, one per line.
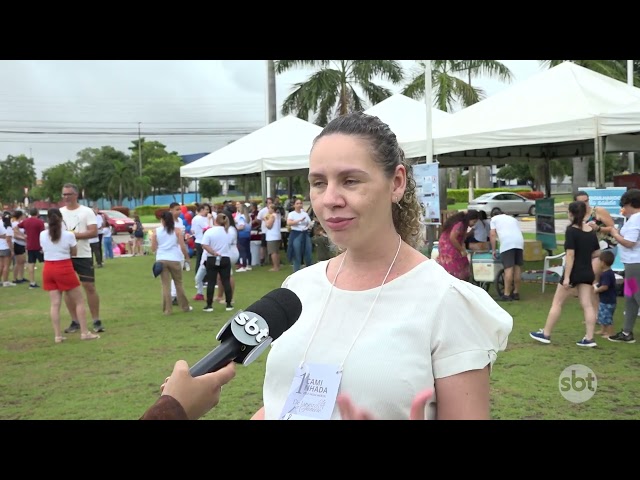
(200,394)
(348,411)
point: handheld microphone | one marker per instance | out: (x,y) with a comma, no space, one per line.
(247,334)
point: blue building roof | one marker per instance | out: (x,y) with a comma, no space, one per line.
(192,157)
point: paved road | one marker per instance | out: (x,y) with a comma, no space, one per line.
(528,225)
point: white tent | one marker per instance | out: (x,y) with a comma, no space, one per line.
(282,146)
(407,118)
(554,114)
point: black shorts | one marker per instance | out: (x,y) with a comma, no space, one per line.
(512,257)
(84,269)
(34,256)
(19,249)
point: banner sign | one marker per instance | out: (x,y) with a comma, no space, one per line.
(546,223)
(428,192)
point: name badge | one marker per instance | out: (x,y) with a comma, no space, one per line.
(313,393)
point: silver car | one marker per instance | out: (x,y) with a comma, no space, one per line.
(510,203)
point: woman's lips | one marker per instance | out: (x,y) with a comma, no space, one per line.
(338,223)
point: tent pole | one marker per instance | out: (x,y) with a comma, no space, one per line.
(263,179)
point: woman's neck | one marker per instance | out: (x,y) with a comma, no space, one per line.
(373,254)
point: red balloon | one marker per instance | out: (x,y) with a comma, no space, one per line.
(183,209)
(188,217)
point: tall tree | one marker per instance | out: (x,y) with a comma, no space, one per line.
(16,174)
(55,177)
(449,86)
(333,89)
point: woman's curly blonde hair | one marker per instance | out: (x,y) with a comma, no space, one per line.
(388,154)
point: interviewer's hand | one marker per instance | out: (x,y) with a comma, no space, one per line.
(200,394)
(348,411)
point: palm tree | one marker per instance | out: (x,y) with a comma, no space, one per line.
(449,88)
(331,90)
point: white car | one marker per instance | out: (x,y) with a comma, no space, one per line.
(510,203)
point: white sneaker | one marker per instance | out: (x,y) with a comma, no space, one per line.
(248,268)
(9,284)
(240,270)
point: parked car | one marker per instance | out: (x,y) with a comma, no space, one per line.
(118,221)
(44,216)
(510,203)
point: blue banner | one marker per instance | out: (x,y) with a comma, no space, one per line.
(428,191)
(609,197)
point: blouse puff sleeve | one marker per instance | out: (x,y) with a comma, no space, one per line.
(469,330)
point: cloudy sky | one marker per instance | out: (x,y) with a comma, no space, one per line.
(51,110)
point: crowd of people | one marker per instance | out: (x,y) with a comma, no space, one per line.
(363,296)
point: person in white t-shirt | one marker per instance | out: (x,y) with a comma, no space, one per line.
(628,239)
(59,276)
(96,242)
(264,211)
(506,229)
(81,221)
(6,249)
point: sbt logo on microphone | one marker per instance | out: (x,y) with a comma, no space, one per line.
(250,328)
(577,383)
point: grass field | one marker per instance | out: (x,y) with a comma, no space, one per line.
(118,376)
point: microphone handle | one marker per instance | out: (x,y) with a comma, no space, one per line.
(217,358)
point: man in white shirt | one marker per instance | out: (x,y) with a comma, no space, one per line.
(82,222)
(506,229)
(96,242)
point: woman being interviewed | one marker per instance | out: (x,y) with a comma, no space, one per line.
(58,276)
(380,323)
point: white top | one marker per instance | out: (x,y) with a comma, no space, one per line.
(61,250)
(219,240)
(14,226)
(168,246)
(406,344)
(481,230)
(305,224)
(630,231)
(234,253)
(275,232)
(508,230)
(261,214)
(99,224)
(198,224)
(78,220)
(4,245)
(106,231)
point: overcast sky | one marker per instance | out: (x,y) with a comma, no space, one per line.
(177,102)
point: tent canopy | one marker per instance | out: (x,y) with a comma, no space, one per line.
(283,146)
(553,114)
(407,118)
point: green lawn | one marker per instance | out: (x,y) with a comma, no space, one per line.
(118,376)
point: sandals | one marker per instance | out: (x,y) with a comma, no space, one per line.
(89,336)
(59,339)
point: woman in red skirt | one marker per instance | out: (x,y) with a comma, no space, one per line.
(59,276)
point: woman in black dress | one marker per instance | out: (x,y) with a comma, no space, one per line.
(581,246)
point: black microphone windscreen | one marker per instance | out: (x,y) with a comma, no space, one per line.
(280,308)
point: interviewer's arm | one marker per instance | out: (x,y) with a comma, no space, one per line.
(464,396)
(259,415)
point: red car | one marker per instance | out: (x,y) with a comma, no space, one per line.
(118,221)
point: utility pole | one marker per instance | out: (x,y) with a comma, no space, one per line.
(139,150)
(630,155)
